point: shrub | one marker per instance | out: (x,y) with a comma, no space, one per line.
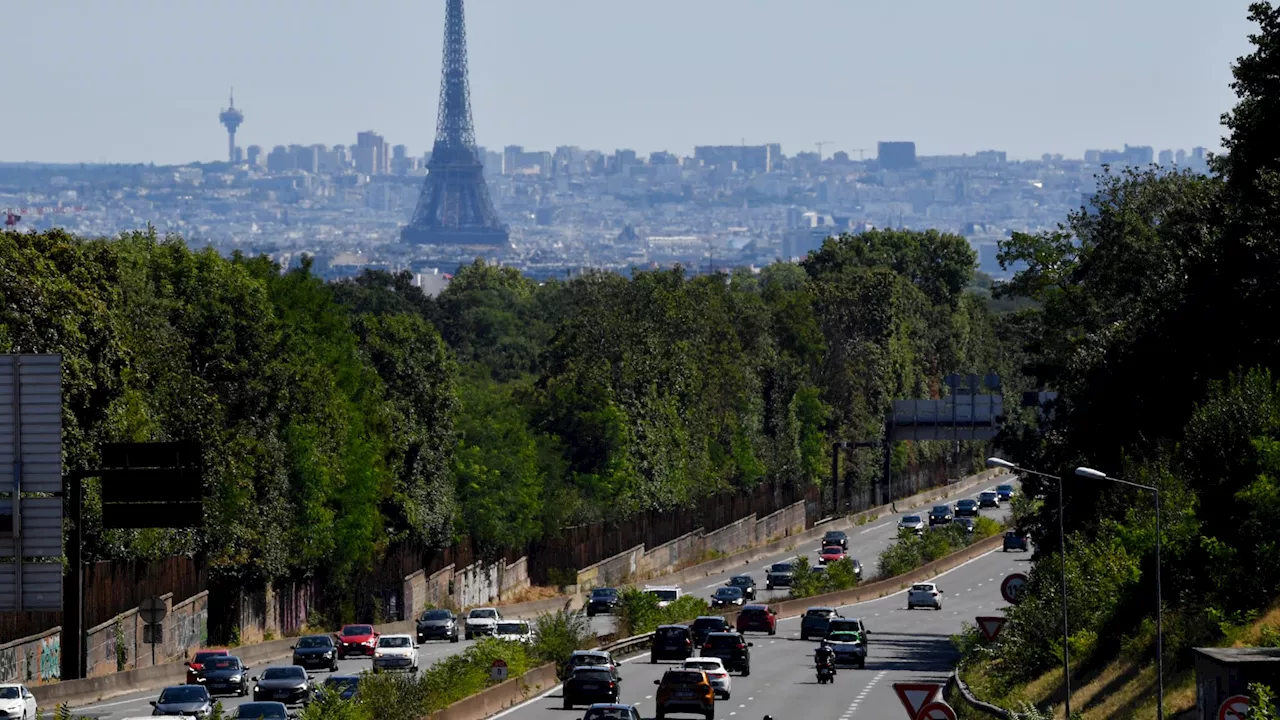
(806,582)
(638,611)
(556,635)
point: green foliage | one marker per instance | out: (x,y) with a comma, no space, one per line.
(638,612)
(806,582)
(911,550)
(556,635)
(1262,703)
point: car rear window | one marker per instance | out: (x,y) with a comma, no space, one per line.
(724,640)
(751,612)
(590,660)
(844,636)
(672,632)
(683,677)
(818,612)
(922,588)
(707,622)
(593,675)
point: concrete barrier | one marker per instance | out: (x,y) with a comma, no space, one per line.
(666,557)
(501,696)
(611,571)
(733,538)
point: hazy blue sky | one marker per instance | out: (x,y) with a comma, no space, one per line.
(144,80)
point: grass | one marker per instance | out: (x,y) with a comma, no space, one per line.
(530,594)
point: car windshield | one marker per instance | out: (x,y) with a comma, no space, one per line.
(941,510)
(966,502)
(262,711)
(293,672)
(591,675)
(512,628)
(843,637)
(604,593)
(1012,534)
(742,581)
(181,694)
(357,630)
(819,612)
(201,657)
(222,663)
(682,677)
(395,642)
(832,549)
(1005,488)
(315,641)
(781,567)
(988,494)
(12,693)
(436,615)
(667,595)
(608,714)
(911,519)
(729,592)
(490,614)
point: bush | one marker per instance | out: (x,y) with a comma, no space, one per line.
(638,611)
(807,582)
(556,635)
(911,551)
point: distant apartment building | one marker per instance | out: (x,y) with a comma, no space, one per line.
(254,156)
(745,158)
(1136,155)
(371,154)
(516,161)
(896,155)
(1166,158)
(281,159)
(305,159)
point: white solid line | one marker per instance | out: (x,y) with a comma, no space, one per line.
(875,527)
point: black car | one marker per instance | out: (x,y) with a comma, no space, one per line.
(344,685)
(989,498)
(671,642)
(262,711)
(1005,492)
(732,649)
(603,601)
(816,621)
(967,507)
(316,651)
(590,684)
(727,596)
(1014,540)
(289,685)
(968,523)
(224,675)
(707,624)
(438,624)
(779,575)
(835,537)
(746,583)
(940,515)
(188,700)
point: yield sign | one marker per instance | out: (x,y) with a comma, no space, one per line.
(1012,587)
(990,626)
(1234,708)
(915,696)
(937,710)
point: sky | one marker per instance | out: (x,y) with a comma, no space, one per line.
(144,80)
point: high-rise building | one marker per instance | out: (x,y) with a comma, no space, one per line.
(1166,158)
(370,154)
(280,159)
(1138,155)
(748,158)
(1180,157)
(896,155)
(306,159)
(255,156)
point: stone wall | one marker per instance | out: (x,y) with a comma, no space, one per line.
(732,538)
(118,644)
(515,577)
(785,522)
(612,571)
(475,584)
(668,556)
(32,660)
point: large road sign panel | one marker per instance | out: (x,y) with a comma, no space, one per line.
(41,527)
(1234,708)
(150,485)
(31,416)
(915,696)
(138,456)
(936,710)
(152,515)
(990,626)
(1012,587)
(41,586)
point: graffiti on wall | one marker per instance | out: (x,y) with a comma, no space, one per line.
(9,664)
(50,658)
(35,662)
(193,630)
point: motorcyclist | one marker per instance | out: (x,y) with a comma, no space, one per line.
(825,657)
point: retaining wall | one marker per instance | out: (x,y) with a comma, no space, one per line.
(33,660)
(734,537)
(475,584)
(611,571)
(666,557)
(775,526)
(515,577)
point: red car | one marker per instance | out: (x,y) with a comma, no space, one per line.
(760,618)
(356,640)
(831,553)
(197,662)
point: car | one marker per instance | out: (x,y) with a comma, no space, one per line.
(848,646)
(591,658)
(760,618)
(816,621)
(611,711)
(989,498)
(940,515)
(727,597)
(1006,492)
(438,624)
(707,624)
(666,594)
(830,554)
(396,652)
(967,507)
(671,642)
(967,523)
(224,674)
(732,648)
(588,684)
(186,700)
(842,624)
(603,600)
(197,661)
(482,621)
(316,651)
(685,691)
(911,523)
(779,574)
(1015,540)
(514,631)
(721,683)
(356,640)
(262,711)
(836,537)
(746,583)
(288,684)
(345,685)
(924,595)
(16,701)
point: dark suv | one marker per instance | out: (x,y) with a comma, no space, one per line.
(1014,540)
(746,584)
(967,507)
(707,624)
(836,537)
(603,600)
(940,515)
(671,642)
(732,649)
(779,575)
(590,684)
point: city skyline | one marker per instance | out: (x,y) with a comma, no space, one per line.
(1169,95)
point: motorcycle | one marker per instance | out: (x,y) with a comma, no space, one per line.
(826,674)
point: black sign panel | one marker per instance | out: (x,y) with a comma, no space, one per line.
(155,485)
(119,456)
(152,515)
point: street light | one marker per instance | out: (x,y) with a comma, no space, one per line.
(1062,573)
(1099,475)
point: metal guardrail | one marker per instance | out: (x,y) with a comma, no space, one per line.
(973,701)
(626,646)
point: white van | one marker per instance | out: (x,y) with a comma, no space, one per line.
(666,594)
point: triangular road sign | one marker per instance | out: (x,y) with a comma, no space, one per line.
(990,626)
(938,710)
(915,696)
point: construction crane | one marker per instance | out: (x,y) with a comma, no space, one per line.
(861,152)
(821,144)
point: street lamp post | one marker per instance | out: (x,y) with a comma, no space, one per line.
(1099,475)
(1062,573)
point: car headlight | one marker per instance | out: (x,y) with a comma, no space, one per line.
(237,678)
(257,688)
(328,653)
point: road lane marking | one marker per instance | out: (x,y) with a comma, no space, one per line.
(875,527)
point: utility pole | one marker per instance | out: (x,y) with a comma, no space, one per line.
(821,144)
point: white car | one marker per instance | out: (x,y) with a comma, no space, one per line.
(17,702)
(482,621)
(396,652)
(666,594)
(914,523)
(924,595)
(721,683)
(514,631)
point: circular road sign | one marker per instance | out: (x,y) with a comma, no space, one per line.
(1011,588)
(498,671)
(936,710)
(152,610)
(1234,708)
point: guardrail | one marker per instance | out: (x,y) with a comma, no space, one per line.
(972,700)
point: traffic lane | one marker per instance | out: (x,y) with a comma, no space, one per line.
(903,645)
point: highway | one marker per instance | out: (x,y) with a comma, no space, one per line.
(865,544)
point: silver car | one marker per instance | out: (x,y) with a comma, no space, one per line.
(912,523)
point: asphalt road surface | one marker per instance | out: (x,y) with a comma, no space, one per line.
(865,544)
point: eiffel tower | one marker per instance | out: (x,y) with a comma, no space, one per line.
(454,208)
